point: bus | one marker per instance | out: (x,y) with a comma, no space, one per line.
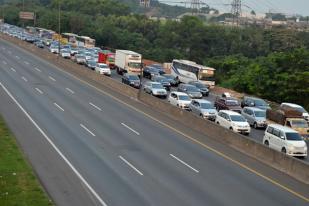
(71,38)
(85,41)
(186,71)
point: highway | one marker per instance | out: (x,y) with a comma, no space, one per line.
(121,156)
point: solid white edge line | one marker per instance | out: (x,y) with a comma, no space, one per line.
(123,124)
(24,78)
(85,128)
(51,78)
(186,164)
(37,69)
(13,69)
(40,91)
(95,106)
(130,165)
(55,148)
(70,90)
(58,106)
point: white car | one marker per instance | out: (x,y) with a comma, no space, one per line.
(179,99)
(233,121)
(103,69)
(65,53)
(155,88)
(286,140)
(53,49)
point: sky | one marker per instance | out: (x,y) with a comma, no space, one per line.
(260,6)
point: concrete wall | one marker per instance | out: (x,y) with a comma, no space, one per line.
(294,167)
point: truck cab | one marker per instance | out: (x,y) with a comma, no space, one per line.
(298,124)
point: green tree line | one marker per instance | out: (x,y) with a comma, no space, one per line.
(271,63)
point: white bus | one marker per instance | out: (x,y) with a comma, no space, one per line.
(186,71)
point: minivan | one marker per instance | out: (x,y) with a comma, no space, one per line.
(286,140)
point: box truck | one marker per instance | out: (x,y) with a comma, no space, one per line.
(128,62)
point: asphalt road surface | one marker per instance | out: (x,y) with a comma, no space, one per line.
(100,151)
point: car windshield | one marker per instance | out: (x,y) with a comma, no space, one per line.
(168,76)
(133,77)
(260,114)
(200,85)
(260,102)
(65,51)
(192,89)
(237,118)
(157,86)
(135,65)
(80,56)
(299,123)
(232,102)
(103,66)
(183,97)
(292,136)
(206,106)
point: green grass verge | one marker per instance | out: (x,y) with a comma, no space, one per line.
(18,185)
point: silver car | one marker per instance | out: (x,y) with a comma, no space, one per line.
(155,88)
(256,117)
(203,108)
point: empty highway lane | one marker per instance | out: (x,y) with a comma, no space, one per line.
(119,156)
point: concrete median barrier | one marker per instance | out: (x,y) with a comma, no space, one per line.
(291,166)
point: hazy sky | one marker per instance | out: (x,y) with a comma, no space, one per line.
(261,6)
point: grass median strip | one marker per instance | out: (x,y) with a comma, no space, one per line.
(18,185)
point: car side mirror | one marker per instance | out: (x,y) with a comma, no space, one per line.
(251,104)
(282,137)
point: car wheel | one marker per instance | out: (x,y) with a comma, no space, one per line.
(283,150)
(231,128)
(255,125)
(266,143)
(218,123)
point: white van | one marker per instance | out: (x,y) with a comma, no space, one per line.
(286,140)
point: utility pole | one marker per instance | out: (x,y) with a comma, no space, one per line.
(23,11)
(59,28)
(195,7)
(236,11)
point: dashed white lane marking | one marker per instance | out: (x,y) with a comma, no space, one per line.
(37,69)
(123,124)
(52,78)
(4,62)
(186,164)
(40,91)
(17,57)
(13,69)
(130,165)
(26,62)
(85,128)
(83,180)
(70,90)
(58,106)
(95,106)
(25,79)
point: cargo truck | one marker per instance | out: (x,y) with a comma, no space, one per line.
(107,57)
(128,62)
(290,118)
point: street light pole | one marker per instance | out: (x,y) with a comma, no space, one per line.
(142,66)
